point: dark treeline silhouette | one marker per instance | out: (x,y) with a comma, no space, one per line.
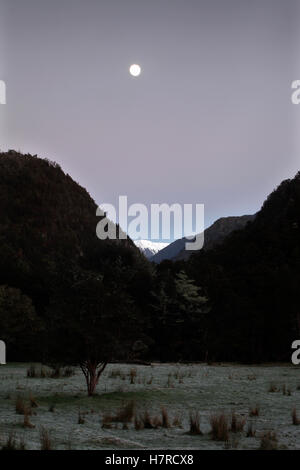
(67,297)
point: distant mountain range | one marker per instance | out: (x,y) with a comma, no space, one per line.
(150,248)
(213,236)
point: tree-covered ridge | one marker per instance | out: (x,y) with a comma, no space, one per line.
(253,281)
(47,220)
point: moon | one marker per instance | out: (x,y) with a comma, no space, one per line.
(135,70)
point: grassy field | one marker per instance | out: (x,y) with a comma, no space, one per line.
(165,406)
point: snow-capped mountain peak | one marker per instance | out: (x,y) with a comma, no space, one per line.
(150,248)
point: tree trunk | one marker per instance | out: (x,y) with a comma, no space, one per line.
(92,372)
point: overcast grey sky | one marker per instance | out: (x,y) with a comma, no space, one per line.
(209,120)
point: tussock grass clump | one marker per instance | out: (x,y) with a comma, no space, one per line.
(55,372)
(219,427)
(273,388)
(254,411)
(27,423)
(116,373)
(138,423)
(237,423)
(22,407)
(165,422)
(286,390)
(124,415)
(45,440)
(269,441)
(132,375)
(147,421)
(195,424)
(81,417)
(232,443)
(12,444)
(251,377)
(295,419)
(33,402)
(170,383)
(156,422)
(177,421)
(68,372)
(250,431)
(107,421)
(32,372)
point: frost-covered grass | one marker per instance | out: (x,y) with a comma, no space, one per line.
(264,398)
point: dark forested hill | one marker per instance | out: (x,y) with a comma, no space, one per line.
(253,280)
(48,234)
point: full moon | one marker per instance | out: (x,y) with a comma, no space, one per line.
(135,70)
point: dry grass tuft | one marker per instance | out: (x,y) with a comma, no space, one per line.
(124,415)
(138,423)
(269,441)
(33,402)
(132,375)
(147,420)
(250,431)
(195,424)
(55,372)
(165,422)
(177,421)
(254,411)
(45,440)
(27,423)
(81,417)
(295,419)
(273,388)
(237,423)
(219,427)
(12,444)
(22,407)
